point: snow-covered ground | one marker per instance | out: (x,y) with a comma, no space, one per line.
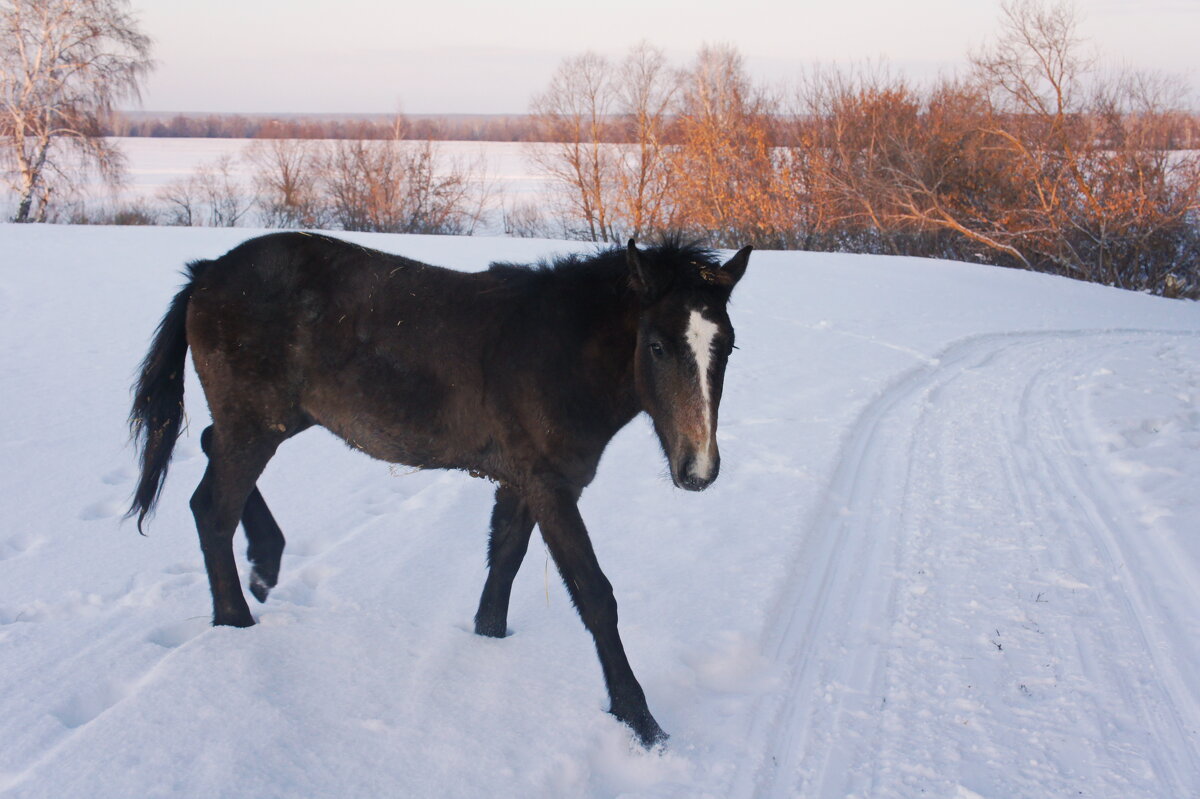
(954,551)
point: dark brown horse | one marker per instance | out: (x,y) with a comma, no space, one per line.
(518,374)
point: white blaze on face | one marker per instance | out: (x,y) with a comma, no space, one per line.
(700,335)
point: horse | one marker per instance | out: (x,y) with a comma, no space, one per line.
(521,374)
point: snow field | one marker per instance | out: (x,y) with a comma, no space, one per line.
(953,550)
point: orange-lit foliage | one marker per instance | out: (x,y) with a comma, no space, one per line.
(1033,159)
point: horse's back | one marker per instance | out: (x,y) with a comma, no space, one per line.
(295,289)
(385,351)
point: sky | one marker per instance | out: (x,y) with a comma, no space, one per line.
(477,56)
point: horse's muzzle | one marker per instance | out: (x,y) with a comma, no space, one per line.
(697,473)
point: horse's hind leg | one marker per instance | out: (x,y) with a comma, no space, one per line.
(234,464)
(511,525)
(265,545)
(265,541)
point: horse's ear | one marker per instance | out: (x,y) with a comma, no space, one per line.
(646,277)
(735,267)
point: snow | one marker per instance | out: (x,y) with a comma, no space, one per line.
(953,551)
(502,170)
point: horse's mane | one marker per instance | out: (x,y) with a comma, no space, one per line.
(687,256)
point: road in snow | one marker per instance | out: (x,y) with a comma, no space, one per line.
(977,607)
(953,551)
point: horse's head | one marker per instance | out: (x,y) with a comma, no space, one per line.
(684,342)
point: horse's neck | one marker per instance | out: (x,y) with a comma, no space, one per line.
(624,397)
(608,352)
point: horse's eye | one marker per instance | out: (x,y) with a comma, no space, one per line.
(656,349)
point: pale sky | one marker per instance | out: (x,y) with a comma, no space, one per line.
(464,56)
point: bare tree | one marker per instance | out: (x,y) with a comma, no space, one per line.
(1140,227)
(572,117)
(728,181)
(946,175)
(285,173)
(524,219)
(1101,199)
(853,123)
(1033,72)
(401,187)
(211,197)
(63,66)
(602,140)
(645,88)
(1035,160)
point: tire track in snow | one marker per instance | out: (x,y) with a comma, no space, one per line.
(824,736)
(1168,704)
(1025,671)
(841,583)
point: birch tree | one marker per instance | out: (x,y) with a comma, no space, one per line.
(573,118)
(64,65)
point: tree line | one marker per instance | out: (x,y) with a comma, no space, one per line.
(449,127)
(1032,157)
(1180,130)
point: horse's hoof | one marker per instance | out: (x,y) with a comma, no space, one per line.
(491,629)
(645,729)
(260,587)
(652,739)
(234,621)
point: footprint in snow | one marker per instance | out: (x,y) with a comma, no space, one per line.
(104,509)
(170,636)
(377,503)
(18,545)
(304,587)
(89,703)
(119,476)
(731,664)
(72,605)
(110,507)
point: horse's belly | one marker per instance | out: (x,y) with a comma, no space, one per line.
(414,413)
(385,442)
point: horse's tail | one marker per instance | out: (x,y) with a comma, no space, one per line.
(157,413)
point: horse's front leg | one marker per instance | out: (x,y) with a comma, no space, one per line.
(511,526)
(562,528)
